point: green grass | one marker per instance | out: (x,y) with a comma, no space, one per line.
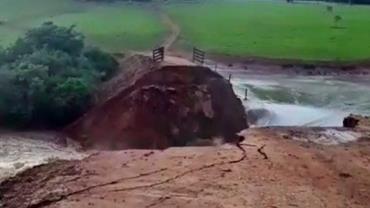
(275,29)
(270,29)
(114,27)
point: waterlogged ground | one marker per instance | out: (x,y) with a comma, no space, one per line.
(303,100)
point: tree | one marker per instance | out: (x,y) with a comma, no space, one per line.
(49,77)
(52,37)
(102,62)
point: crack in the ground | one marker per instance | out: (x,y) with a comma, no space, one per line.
(53,199)
(260,150)
(244,155)
(158,201)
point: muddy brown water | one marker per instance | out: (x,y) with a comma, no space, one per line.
(284,100)
(19,151)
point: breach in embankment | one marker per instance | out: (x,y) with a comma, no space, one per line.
(164,106)
(155,107)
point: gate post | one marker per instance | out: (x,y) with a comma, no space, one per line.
(198,56)
(158,54)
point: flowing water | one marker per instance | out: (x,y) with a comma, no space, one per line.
(274,100)
(21,151)
(282,100)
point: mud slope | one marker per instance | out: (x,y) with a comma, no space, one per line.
(159,108)
(272,172)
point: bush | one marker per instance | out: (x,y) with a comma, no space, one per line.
(104,63)
(47,78)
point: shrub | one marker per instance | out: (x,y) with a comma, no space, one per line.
(47,77)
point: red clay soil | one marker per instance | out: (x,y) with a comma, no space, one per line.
(169,106)
(272,172)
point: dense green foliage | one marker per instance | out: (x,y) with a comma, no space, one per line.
(113,27)
(276,29)
(47,77)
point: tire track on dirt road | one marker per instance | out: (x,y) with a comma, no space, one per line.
(174,31)
(171,58)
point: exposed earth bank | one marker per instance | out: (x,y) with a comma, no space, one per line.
(163,106)
(274,168)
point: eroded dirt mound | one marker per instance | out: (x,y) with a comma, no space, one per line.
(130,68)
(169,106)
(272,172)
(357,121)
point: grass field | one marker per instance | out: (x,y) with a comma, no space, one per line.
(112,26)
(271,29)
(275,29)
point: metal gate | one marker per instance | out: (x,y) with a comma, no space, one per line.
(158,54)
(198,56)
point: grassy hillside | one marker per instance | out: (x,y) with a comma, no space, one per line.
(272,29)
(276,29)
(112,26)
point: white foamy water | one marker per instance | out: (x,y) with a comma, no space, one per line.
(285,101)
(303,100)
(19,153)
(296,115)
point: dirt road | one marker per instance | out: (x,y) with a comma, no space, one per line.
(274,172)
(173,28)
